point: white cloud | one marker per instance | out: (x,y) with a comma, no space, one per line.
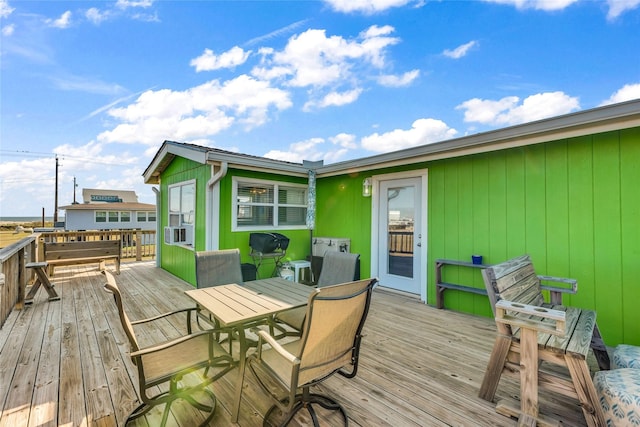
(618,7)
(460,51)
(209,61)
(299,151)
(125,4)
(368,6)
(508,111)
(423,131)
(313,59)
(344,140)
(5,9)
(547,5)
(63,22)
(626,93)
(399,81)
(196,113)
(8,30)
(96,16)
(333,99)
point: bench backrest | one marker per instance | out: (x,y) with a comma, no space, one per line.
(88,249)
(513,280)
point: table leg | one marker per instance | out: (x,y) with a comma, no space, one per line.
(33,291)
(242,362)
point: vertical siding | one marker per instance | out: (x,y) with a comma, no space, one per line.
(176,259)
(573,205)
(630,227)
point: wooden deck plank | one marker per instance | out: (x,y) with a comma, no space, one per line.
(419,365)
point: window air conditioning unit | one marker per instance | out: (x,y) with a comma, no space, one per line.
(178,235)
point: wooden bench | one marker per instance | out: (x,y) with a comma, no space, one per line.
(531,331)
(87,252)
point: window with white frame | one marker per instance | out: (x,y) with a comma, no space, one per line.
(260,204)
(125,216)
(141,216)
(101,216)
(182,204)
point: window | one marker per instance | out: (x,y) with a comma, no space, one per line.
(125,216)
(182,204)
(151,216)
(141,216)
(263,205)
(101,216)
(113,216)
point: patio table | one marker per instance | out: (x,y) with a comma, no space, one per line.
(235,306)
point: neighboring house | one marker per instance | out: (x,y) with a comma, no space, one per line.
(565,190)
(109,210)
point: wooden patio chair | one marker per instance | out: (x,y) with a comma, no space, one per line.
(564,336)
(337,267)
(168,362)
(330,343)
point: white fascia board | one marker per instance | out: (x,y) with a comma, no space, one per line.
(613,117)
(259,164)
(170,149)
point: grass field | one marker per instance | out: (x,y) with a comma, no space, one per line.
(8,233)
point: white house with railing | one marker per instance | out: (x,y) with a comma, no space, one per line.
(109,210)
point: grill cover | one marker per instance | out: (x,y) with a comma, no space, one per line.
(268,242)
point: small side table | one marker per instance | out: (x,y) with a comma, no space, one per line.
(41,279)
(297,268)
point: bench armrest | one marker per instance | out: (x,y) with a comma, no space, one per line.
(544,320)
(557,291)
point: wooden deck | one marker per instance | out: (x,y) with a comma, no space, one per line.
(66,363)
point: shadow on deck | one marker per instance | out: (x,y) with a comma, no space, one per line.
(66,362)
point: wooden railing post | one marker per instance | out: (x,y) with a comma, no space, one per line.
(138,245)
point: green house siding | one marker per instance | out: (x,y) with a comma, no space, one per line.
(573,205)
(299,240)
(176,259)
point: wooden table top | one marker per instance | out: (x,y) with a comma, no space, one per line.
(235,304)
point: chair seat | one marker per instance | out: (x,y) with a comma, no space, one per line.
(619,396)
(626,356)
(191,353)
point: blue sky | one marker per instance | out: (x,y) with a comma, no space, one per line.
(102,84)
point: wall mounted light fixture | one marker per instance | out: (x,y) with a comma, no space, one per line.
(366,187)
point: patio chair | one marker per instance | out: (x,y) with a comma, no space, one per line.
(337,267)
(329,344)
(220,267)
(214,268)
(168,362)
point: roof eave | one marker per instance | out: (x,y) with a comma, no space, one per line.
(597,120)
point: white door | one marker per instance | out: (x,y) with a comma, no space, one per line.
(401,258)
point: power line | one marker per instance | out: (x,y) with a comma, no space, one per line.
(23,153)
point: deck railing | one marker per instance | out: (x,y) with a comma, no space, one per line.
(138,244)
(14,275)
(401,242)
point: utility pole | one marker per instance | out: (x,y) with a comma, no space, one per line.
(74,190)
(55,208)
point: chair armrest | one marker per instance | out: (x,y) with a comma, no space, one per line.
(557,291)
(168,344)
(160,316)
(265,337)
(546,320)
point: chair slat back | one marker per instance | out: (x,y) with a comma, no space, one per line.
(214,268)
(337,267)
(112,287)
(331,337)
(513,280)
